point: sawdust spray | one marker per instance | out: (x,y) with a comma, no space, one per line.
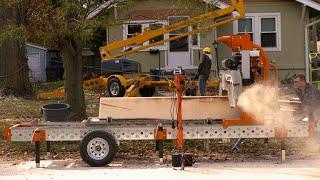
(261,102)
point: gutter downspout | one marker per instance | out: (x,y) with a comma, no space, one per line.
(303,13)
(306,38)
(310,3)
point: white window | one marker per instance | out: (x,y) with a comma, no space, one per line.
(195,38)
(264,28)
(268,32)
(155,26)
(181,44)
(246,26)
(132,28)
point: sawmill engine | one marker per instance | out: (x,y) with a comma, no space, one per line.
(235,73)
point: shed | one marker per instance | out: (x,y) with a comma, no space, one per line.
(44,63)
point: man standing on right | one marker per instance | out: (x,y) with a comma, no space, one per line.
(309,96)
(204,70)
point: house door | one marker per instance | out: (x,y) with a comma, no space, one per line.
(179,50)
(34,67)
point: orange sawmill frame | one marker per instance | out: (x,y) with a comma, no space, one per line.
(243,43)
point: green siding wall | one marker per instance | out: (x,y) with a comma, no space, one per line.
(147,60)
(291,57)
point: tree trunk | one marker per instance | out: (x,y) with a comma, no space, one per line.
(14,78)
(14,69)
(72,63)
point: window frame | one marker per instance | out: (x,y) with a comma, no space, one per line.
(144,24)
(163,25)
(257,28)
(197,46)
(253,26)
(178,33)
(127,29)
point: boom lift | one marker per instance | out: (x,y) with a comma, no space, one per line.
(139,39)
(118,84)
(137,118)
(136,43)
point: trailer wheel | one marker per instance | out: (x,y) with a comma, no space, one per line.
(115,88)
(147,91)
(98,148)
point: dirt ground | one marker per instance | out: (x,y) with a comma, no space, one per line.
(292,168)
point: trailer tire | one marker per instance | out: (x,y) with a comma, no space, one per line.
(147,91)
(115,88)
(98,148)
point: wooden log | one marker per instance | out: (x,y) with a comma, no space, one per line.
(164,108)
(291,105)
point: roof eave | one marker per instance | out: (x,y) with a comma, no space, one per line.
(310,3)
(36,46)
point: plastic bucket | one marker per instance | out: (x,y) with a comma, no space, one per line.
(56,112)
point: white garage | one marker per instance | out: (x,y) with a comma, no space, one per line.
(40,62)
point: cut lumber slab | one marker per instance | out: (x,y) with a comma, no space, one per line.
(164,108)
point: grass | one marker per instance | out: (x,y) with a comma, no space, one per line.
(26,109)
(29,107)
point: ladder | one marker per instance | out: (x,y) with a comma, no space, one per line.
(314,68)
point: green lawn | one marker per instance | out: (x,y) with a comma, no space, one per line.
(28,108)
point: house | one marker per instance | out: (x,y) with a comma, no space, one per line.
(135,18)
(281,27)
(44,63)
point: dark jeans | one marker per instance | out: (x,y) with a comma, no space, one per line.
(202,85)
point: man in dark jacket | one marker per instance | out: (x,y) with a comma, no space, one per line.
(309,96)
(204,70)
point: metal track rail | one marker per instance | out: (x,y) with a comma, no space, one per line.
(100,138)
(139,130)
